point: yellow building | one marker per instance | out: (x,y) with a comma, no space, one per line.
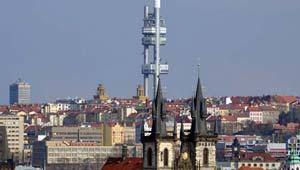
(101,94)
(140,93)
(113,134)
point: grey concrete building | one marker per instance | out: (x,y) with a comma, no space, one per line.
(78,133)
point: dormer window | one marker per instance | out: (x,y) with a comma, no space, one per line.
(258,158)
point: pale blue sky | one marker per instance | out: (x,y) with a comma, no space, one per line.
(66,47)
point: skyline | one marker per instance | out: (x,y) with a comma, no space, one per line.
(67,48)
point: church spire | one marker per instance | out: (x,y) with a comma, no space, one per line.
(198,111)
(158,113)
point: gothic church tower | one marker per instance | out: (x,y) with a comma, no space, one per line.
(159,144)
(199,146)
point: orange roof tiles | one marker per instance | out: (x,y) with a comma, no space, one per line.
(285,99)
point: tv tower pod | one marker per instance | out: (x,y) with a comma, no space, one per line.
(154,32)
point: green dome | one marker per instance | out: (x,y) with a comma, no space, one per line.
(293,158)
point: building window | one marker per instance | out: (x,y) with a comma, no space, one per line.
(166,157)
(205,156)
(149,157)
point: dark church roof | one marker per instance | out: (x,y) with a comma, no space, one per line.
(127,164)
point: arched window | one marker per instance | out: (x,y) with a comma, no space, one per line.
(166,157)
(149,157)
(205,156)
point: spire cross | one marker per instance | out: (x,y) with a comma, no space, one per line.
(198,70)
(198,65)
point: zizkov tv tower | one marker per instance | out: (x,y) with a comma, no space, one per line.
(154,35)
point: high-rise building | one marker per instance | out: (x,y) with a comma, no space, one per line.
(19,92)
(14,126)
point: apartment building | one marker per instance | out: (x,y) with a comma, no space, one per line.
(14,126)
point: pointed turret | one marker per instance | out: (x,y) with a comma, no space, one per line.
(158,113)
(198,112)
(199,96)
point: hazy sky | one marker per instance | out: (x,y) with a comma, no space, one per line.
(67,47)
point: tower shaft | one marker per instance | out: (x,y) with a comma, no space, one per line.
(157,45)
(154,32)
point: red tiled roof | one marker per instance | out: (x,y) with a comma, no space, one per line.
(32,128)
(250,168)
(223,118)
(3,108)
(240,100)
(232,106)
(261,109)
(127,164)
(39,115)
(285,99)
(250,156)
(96,125)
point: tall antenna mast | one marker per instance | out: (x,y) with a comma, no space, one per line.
(154,32)
(157,45)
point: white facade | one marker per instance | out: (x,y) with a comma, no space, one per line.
(294,143)
(56,119)
(256,116)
